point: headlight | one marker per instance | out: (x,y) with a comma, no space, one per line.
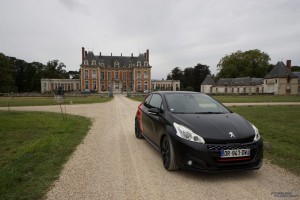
(257,136)
(187,134)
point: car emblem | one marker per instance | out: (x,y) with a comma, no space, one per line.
(231,134)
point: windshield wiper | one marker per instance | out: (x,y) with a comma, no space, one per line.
(208,113)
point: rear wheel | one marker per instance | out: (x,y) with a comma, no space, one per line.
(137,130)
(168,154)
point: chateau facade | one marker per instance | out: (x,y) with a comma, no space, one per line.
(279,81)
(101,73)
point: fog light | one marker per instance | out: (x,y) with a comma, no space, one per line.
(190,163)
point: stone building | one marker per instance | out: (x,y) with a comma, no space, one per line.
(173,85)
(280,80)
(115,73)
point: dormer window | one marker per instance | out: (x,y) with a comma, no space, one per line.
(116,64)
(130,65)
(102,64)
(86,62)
(146,63)
(93,62)
(139,64)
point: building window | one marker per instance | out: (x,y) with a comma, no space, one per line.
(145,85)
(102,64)
(116,64)
(86,62)
(124,75)
(130,65)
(130,75)
(108,76)
(139,63)
(145,74)
(102,75)
(94,75)
(86,84)
(94,85)
(116,74)
(93,62)
(139,86)
(86,74)
(146,63)
(139,74)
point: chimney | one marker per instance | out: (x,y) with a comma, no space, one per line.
(100,54)
(82,54)
(121,55)
(111,54)
(147,55)
(131,55)
(289,64)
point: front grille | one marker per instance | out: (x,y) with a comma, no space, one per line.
(219,147)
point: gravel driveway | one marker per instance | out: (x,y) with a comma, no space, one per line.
(112,164)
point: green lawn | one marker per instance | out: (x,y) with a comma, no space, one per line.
(41,101)
(33,148)
(279,126)
(247,99)
(257,99)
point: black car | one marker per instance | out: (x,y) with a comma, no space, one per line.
(194,131)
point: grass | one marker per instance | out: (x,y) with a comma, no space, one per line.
(257,99)
(41,101)
(246,99)
(33,148)
(279,126)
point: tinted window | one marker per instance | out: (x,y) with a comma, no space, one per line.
(147,100)
(193,103)
(155,101)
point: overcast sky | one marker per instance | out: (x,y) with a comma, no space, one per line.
(178,33)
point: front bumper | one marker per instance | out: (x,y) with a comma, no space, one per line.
(206,157)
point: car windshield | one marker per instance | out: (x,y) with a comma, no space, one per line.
(194,103)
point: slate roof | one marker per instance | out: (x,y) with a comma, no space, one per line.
(208,81)
(280,71)
(108,61)
(241,81)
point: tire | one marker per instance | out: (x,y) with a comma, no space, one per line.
(168,154)
(137,130)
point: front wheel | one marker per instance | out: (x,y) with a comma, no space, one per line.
(168,154)
(137,130)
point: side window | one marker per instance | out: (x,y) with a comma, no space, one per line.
(155,101)
(147,100)
(162,109)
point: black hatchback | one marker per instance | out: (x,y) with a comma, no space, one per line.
(193,131)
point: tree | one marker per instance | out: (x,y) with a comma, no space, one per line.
(6,75)
(200,73)
(55,69)
(176,74)
(74,74)
(252,63)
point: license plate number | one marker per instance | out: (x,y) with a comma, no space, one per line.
(235,153)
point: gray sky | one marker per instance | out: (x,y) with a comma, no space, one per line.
(178,33)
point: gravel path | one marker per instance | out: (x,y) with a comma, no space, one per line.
(112,164)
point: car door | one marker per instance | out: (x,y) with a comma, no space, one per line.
(146,121)
(154,125)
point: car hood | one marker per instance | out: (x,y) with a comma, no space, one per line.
(217,128)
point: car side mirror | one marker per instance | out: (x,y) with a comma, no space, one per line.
(153,111)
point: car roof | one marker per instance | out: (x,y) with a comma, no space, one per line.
(176,92)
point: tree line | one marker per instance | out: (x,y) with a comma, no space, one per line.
(17,75)
(251,63)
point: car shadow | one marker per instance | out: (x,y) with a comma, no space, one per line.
(203,176)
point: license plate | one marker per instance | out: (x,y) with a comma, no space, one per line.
(235,153)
